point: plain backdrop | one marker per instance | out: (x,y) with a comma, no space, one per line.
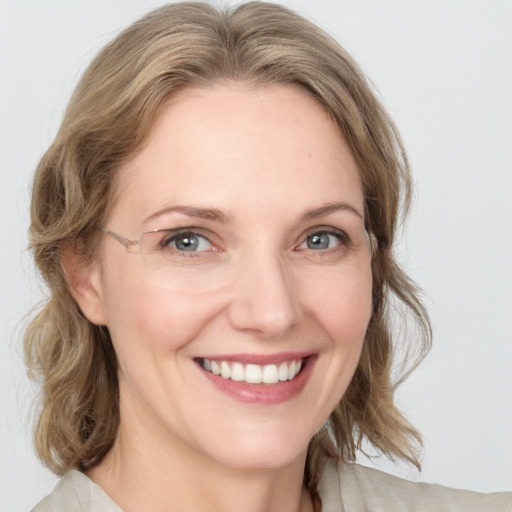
(443,69)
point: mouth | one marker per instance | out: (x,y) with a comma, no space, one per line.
(254,379)
(251,373)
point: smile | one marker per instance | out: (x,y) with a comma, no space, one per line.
(259,379)
(254,373)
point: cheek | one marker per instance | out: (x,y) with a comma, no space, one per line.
(152,327)
(148,317)
(342,303)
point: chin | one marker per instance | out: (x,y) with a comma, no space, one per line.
(264,450)
(261,459)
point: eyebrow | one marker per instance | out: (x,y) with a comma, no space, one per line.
(219,216)
(192,211)
(315,213)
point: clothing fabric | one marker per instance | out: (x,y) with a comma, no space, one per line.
(347,488)
(355,488)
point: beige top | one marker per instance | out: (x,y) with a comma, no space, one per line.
(351,488)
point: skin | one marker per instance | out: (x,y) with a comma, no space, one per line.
(263,156)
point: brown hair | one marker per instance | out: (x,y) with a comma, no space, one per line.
(107,120)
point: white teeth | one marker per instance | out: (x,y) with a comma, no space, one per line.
(237,372)
(225,370)
(270,375)
(215,367)
(294,369)
(291,370)
(253,373)
(283,372)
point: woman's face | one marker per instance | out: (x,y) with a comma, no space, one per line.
(265,269)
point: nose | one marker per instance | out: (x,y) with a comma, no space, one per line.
(264,298)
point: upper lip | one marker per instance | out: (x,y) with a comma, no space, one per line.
(259,359)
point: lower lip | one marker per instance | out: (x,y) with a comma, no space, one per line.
(265,394)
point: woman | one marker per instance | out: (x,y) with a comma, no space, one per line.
(215,221)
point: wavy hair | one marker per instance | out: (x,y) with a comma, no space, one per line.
(107,120)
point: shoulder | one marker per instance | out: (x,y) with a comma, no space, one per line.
(75,492)
(355,488)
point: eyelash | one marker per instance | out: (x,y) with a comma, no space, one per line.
(342,237)
(182,233)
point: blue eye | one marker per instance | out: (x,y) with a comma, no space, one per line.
(321,240)
(188,242)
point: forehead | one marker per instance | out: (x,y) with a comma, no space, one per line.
(234,145)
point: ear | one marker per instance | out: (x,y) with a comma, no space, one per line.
(85,285)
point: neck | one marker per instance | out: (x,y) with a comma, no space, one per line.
(154,473)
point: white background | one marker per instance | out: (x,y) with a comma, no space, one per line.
(443,69)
